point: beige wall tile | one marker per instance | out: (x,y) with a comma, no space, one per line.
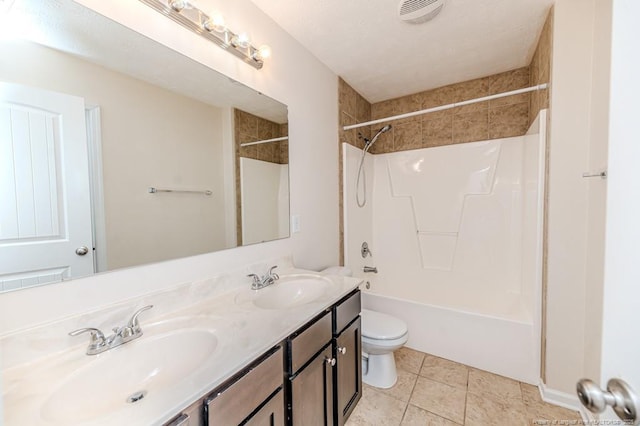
(347,98)
(249,151)
(437,132)
(471,127)
(267,129)
(407,136)
(508,120)
(445,371)
(266,152)
(406,104)
(510,80)
(472,89)
(363,109)
(438,97)
(382,110)
(415,416)
(284,129)
(246,123)
(444,400)
(384,143)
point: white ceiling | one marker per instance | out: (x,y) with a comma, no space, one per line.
(381,57)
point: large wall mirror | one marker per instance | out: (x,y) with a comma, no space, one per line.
(116,151)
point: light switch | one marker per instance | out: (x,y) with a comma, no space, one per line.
(295,224)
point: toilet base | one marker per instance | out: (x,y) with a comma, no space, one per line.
(379,370)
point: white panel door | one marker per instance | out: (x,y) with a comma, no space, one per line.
(45,211)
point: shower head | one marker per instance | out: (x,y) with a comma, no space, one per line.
(375,138)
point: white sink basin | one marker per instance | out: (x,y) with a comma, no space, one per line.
(287,292)
(146,366)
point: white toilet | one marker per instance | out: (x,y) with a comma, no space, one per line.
(382,334)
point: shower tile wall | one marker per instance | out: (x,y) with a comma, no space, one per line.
(482,121)
(540,68)
(499,118)
(251,128)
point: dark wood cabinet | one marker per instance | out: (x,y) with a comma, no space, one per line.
(320,384)
(348,370)
(312,391)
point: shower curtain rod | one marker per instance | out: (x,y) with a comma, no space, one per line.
(448,106)
(284,138)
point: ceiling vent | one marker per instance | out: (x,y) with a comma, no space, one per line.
(419,11)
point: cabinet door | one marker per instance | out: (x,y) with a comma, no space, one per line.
(312,392)
(272,414)
(348,370)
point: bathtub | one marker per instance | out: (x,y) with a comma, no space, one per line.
(456,235)
(507,344)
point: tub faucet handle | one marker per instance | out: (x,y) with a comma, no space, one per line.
(365,251)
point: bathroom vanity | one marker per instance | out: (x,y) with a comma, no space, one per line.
(313,377)
(213,352)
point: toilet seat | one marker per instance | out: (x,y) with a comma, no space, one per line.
(379,326)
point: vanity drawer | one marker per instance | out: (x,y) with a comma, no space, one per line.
(346,311)
(234,403)
(308,342)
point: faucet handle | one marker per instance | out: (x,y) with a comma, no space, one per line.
(97,337)
(256,279)
(134,324)
(272,274)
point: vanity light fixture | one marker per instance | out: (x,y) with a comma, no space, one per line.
(212,27)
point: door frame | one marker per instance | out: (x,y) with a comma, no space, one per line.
(94,149)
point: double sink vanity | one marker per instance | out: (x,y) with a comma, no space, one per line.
(286,353)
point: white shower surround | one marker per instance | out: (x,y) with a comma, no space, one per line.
(456,234)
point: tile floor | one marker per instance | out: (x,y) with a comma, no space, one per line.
(433,391)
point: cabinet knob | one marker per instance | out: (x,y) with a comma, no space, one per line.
(342,350)
(330,361)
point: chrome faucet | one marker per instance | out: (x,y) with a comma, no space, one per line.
(268,279)
(98,343)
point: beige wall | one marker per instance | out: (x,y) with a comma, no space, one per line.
(143,145)
(578,143)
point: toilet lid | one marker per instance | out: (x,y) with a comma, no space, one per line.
(377,325)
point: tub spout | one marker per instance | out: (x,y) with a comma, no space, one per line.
(370,269)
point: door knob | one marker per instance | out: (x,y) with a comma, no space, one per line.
(342,350)
(619,395)
(330,361)
(81,251)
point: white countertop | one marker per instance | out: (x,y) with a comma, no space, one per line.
(243,332)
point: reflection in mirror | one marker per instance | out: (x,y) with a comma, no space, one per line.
(116,151)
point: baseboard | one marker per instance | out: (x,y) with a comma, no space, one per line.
(559,398)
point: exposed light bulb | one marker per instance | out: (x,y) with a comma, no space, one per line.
(263,52)
(241,40)
(215,22)
(178,5)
